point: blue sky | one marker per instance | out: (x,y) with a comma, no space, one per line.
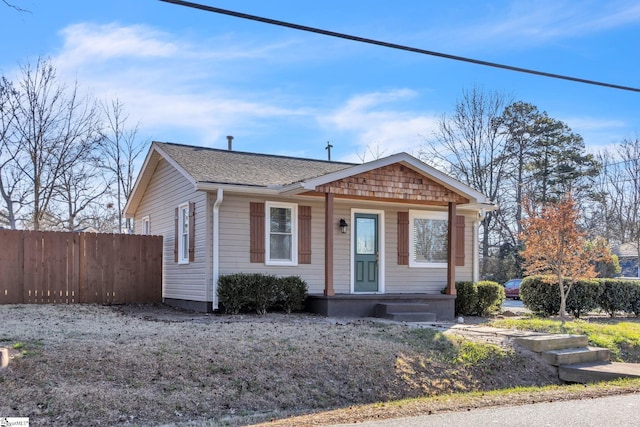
(193,77)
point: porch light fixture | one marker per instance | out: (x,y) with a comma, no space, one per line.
(343,226)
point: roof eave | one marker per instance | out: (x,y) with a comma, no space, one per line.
(235,188)
(154,155)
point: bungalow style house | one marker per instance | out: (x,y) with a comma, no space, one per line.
(390,230)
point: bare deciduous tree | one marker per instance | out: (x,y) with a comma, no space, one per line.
(55,130)
(120,148)
(620,192)
(469,146)
(11,189)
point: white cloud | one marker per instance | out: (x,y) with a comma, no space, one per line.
(85,42)
(534,23)
(170,87)
(378,130)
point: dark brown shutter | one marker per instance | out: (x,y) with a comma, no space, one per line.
(403,238)
(460,240)
(256,231)
(176,236)
(192,231)
(304,234)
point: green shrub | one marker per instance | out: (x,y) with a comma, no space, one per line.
(490,296)
(264,293)
(583,297)
(466,298)
(540,297)
(233,292)
(617,295)
(292,293)
(635,299)
(243,292)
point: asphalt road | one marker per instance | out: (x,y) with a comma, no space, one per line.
(513,305)
(612,411)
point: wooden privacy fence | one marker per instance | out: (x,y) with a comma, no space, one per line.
(40,267)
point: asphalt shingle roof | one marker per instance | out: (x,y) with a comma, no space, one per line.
(240,168)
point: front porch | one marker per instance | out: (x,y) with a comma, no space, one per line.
(363,305)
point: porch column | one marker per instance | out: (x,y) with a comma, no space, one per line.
(328,245)
(451,255)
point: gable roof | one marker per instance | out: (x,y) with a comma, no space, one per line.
(210,165)
(209,168)
(626,250)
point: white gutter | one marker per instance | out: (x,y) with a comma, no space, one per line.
(208,186)
(216,247)
(475,269)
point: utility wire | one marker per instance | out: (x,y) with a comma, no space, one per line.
(394,46)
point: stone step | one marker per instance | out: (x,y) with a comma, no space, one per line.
(421,316)
(572,356)
(540,343)
(584,373)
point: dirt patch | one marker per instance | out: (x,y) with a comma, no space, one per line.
(151,365)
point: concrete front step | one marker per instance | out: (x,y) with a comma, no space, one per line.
(584,373)
(412,317)
(400,307)
(405,312)
(572,356)
(541,343)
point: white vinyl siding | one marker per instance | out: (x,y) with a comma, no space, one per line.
(235,235)
(168,189)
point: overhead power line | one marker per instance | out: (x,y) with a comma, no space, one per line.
(394,45)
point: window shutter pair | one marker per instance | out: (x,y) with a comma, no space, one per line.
(192,232)
(403,239)
(257,233)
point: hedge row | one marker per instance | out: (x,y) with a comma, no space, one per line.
(478,299)
(243,292)
(609,295)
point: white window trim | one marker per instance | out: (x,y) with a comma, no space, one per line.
(181,250)
(145,221)
(294,233)
(413,214)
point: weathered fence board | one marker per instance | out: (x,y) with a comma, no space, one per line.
(38,267)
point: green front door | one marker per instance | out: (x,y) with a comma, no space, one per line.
(366,253)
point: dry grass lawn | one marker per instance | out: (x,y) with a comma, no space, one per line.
(151,365)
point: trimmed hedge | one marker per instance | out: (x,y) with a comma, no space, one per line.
(609,295)
(583,297)
(490,297)
(292,292)
(617,295)
(242,292)
(478,299)
(466,298)
(540,297)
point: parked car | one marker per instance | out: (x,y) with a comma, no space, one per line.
(512,288)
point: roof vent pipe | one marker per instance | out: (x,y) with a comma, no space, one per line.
(230,139)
